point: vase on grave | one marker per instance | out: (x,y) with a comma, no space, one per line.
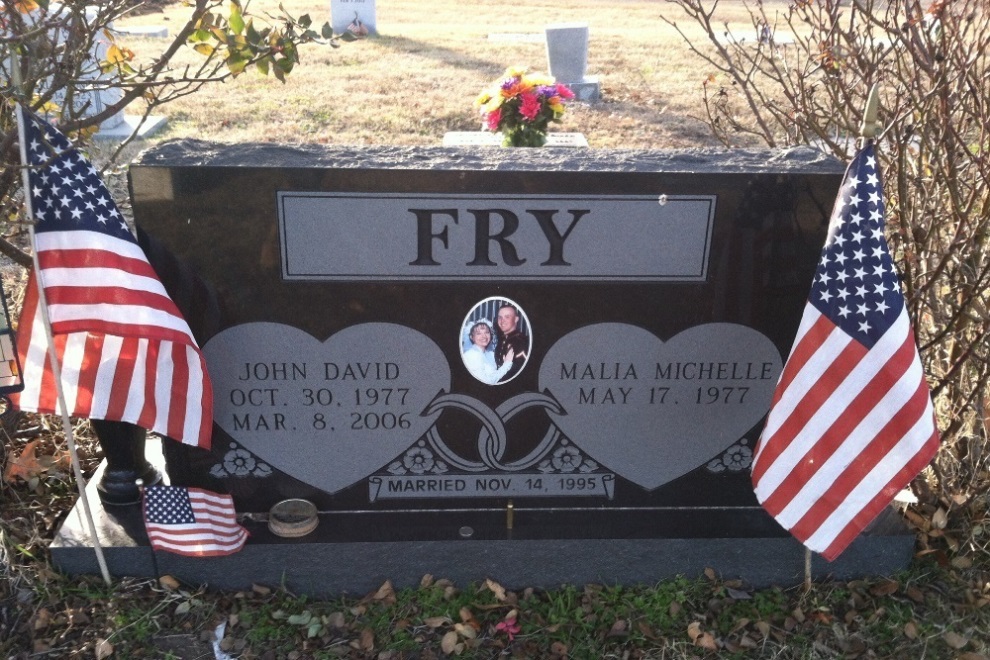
(524,135)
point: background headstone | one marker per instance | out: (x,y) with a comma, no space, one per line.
(352,15)
(101,91)
(567,57)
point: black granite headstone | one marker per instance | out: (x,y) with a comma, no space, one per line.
(567,348)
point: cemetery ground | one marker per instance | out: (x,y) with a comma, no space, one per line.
(407,87)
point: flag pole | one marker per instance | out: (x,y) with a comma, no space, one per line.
(15,75)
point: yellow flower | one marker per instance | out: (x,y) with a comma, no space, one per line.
(483,98)
(538,79)
(515,72)
(492,104)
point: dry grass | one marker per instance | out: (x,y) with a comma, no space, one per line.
(419,77)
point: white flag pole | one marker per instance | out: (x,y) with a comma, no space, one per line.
(15,75)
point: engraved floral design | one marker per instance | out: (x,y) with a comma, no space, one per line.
(736,458)
(417,460)
(567,458)
(238,462)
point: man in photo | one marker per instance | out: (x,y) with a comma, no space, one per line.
(513,344)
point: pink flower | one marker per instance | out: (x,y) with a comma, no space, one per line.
(564,92)
(529,106)
(492,119)
(509,627)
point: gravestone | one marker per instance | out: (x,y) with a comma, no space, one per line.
(356,17)
(567,58)
(346,300)
(98,90)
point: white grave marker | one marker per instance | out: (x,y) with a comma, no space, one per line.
(356,17)
(567,55)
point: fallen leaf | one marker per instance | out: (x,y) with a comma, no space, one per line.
(436,621)
(42,619)
(911,630)
(737,594)
(559,648)
(496,589)
(385,594)
(763,627)
(169,582)
(426,581)
(739,625)
(962,562)
(710,573)
(465,614)
(104,649)
(694,630)
(24,466)
(449,643)
(367,640)
(618,629)
(645,630)
(970,655)
(915,594)
(706,641)
(940,519)
(885,588)
(798,614)
(674,609)
(955,640)
(465,630)
(261,589)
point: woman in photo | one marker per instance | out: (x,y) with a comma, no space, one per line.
(479,358)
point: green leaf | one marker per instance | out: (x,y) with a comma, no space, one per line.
(236,19)
(301,619)
(305,21)
(236,64)
(327,31)
(253,35)
(262,65)
(205,49)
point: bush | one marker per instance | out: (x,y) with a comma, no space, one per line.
(52,45)
(801,78)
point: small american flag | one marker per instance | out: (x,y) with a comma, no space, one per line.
(125,351)
(191,521)
(851,421)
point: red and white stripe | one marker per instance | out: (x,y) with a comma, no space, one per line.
(215,532)
(848,428)
(125,351)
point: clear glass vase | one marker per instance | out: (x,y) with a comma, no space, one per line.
(524,136)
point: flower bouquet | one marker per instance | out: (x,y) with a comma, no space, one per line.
(521,105)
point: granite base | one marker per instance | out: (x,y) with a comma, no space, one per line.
(315,566)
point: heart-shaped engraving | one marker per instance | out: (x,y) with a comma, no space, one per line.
(653,410)
(327,413)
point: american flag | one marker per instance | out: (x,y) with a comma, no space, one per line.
(851,421)
(191,521)
(125,351)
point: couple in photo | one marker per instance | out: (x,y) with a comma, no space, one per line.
(497,355)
